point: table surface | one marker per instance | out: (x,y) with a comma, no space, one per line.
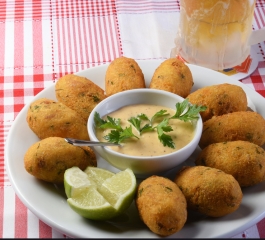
(42,40)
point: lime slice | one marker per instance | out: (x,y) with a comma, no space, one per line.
(98,175)
(119,190)
(89,203)
(74,179)
(103,194)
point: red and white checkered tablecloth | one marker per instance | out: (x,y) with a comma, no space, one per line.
(42,40)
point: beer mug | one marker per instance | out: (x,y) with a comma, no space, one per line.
(216,34)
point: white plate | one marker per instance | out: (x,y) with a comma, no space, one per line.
(48,201)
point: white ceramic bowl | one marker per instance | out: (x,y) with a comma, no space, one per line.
(142,166)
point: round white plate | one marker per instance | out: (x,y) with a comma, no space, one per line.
(48,201)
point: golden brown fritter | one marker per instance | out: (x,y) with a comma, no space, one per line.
(209,191)
(244,125)
(245,161)
(123,74)
(219,99)
(161,205)
(48,118)
(173,75)
(48,159)
(79,94)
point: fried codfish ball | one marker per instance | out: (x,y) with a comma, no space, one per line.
(244,125)
(48,159)
(219,99)
(79,94)
(161,205)
(209,191)
(245,161)
(123,74)
(47,118)
(173,75)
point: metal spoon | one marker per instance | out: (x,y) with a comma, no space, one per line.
(78,142)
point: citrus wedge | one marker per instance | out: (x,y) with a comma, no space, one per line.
(119,190)
(98,175)
(89,203)
(75,178)
(102,195)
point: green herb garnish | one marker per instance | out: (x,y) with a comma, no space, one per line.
(184,111)
(164,138)
(117,135)
(190,114)
(160,128)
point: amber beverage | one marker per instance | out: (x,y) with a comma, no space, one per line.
(214,33)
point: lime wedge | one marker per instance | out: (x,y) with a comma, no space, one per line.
(99,194)
(89,203)
(75,178)
(119,190)
(98,175)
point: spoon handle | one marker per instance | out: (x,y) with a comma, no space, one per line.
(78,142)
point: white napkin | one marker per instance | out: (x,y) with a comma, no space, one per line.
(148,35)
(257,36)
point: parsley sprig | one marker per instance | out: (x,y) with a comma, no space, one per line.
(161,128)
(187,112)
(117,135)
(184,111)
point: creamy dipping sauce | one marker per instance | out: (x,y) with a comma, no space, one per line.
(148,143)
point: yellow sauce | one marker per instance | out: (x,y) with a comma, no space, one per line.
(148,143)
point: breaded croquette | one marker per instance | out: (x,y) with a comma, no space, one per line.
(219,99)
(244,125)
(79,94)
(209,191)
(48,118)
(161,205)
(173,75)
(48,159)
(245,161)
(123,74)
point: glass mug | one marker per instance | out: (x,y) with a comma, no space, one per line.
(215,33)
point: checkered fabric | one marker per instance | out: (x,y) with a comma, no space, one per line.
(42,40)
